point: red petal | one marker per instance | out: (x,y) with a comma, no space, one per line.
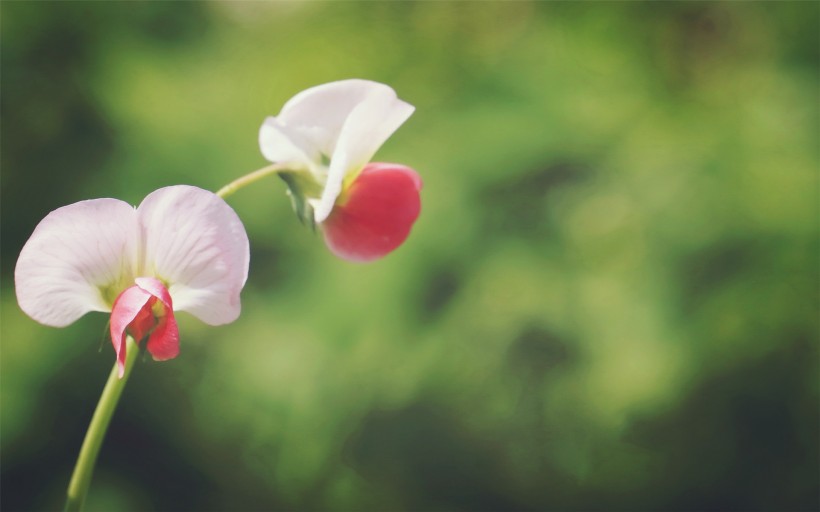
(143,322)
(126,309)
(134,310)
(164,341)
(163,344)
(376,213)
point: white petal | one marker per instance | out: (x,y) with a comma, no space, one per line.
(77,260)
(367,127)
(196,243)
(320,113)
(280,143)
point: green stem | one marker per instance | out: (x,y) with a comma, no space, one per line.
(81,478)
(247,179)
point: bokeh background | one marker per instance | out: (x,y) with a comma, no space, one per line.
(609,301)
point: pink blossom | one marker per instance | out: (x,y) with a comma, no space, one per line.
(182,249)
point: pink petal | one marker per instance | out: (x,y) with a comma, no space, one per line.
(155,287)
(74,253)
(195,242)
(376,214)
(134,312)
(163,344)
(126,309)
(144,321)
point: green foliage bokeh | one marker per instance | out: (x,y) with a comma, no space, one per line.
(609,301)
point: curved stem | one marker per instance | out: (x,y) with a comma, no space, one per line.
(257,175)
(81,478)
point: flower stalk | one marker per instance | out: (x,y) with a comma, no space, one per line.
(84,469)
(252,177)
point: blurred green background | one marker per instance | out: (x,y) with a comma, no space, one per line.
(609,301)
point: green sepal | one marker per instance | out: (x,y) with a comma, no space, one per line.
(300,186)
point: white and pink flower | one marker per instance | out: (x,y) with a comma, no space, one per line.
(328,134)
(182,249)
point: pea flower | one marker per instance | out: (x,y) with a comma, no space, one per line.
(329,133)
(182,249)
